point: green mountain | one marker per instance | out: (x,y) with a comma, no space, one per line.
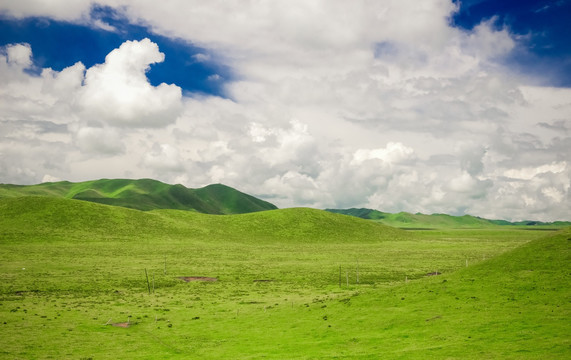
(408,220)
(146,194)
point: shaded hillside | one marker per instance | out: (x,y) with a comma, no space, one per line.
(408,220)
(146,194)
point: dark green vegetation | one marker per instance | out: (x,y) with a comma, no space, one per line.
(408,220)
(146,194)
(287,286)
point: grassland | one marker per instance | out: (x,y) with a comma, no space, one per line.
(287,286)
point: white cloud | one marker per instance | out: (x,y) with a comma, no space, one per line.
(119,93)
(163,158)
(19,55)
(334,104)
(298,189)
(393,153)
(553,193)
(102,141)
(56,9)
(49,178)
(466,184)
(528,173)
(98,23)
(258,132)
(56,117)
(201,57)
(486,43)
(67,81)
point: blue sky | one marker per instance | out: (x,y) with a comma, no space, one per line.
(541,27)
(449,107)
(59,44)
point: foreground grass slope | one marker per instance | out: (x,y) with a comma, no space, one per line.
(146,194)
(513,306)
(293,283)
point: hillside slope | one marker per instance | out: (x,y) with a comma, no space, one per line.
(146,194)
(515,306)
(56,217)
(408,220)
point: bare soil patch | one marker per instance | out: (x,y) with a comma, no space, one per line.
(433,273)
(122,325)
(197,278)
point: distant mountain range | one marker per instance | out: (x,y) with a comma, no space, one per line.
(146,194)
(408,220)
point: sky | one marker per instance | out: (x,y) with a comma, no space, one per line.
(437,106)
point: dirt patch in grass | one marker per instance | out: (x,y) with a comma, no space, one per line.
(122,325)
(197,278)
(433,273)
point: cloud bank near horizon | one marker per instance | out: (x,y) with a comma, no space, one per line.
(331,105)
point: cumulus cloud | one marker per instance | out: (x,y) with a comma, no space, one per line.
(66,82)
(103,141)
(528,173)
(116,92)
(485,42)
(80,112)
(393,153)
(60,10)
(335,104)
(19,55)
(49,178)
(119,93)
(163,158)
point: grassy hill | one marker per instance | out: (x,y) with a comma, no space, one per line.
(65,217)
(146,194)
(408,220)
(294,283)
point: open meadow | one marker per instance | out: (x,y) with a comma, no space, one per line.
(81,280)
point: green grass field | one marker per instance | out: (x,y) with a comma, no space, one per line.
(292,284)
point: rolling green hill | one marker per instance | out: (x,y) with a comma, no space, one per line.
(66,217)
(408,220)
(293,283)
(146,194)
